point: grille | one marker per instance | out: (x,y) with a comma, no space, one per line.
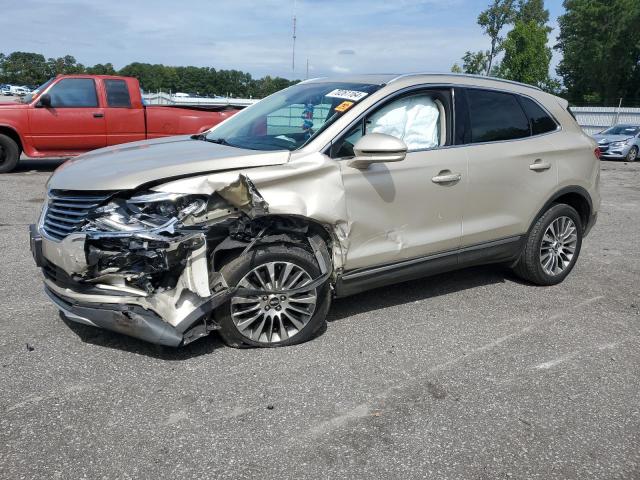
(67,211)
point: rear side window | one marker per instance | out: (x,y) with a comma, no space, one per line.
(495,116)
(74,92)
(117,93)
(541,121)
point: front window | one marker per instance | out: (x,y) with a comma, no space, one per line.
(630,130)
(290,118)
(73,93)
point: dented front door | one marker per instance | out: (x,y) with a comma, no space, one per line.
(406,209)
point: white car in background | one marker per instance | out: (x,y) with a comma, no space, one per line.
(20,91)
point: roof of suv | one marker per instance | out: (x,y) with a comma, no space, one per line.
(387,78)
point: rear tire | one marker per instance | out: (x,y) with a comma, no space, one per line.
(278,320)
(552,247)
(9,154)
(632,156)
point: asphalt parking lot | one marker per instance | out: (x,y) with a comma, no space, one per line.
(465,375)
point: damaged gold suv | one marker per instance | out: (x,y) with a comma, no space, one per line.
(322,190)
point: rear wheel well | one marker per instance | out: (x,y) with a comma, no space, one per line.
(579,203)
(11,133)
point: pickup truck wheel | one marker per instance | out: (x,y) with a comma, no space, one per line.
(552,246)
(9,154)
(271,320)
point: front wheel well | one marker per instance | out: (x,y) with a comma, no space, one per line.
(281,229)
(13,135)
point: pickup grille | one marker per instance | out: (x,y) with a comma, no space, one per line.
(67,211)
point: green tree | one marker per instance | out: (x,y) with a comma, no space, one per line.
(24,68)
(526,54)
(532,11)
(101,69)
(600,45)
(475,62)
(492,20)
(66,65)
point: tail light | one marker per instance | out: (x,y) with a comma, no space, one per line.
(597,153)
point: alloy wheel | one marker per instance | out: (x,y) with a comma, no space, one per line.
(633,154)
(558,246)
(271,318)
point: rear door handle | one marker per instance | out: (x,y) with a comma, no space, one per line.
(539,166)
(446,176)
(98,115)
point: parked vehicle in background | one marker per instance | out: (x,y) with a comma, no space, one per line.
(329,187)
(72,114)
(19,91)
(6,90)
(620,142)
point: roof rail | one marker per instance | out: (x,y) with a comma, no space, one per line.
(466,75)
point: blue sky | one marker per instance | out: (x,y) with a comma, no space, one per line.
(356,36)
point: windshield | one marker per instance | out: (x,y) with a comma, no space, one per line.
(36,92)
(622,130)
(290,118)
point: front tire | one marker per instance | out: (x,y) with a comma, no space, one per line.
(9,154)
(273,320)
(632,156)
(552,246)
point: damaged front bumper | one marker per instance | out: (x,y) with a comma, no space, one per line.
(135,265)
(171,317)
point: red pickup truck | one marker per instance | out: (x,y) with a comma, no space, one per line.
(72,114)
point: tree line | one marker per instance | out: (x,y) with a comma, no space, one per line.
(28,68)
(599,41)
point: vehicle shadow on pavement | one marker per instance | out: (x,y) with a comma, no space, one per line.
(105,338)
(421,289)
(377,299)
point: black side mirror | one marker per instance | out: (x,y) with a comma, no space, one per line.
(44,101)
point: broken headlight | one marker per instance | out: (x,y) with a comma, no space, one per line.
(147,211)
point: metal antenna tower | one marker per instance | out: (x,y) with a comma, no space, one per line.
(293,52)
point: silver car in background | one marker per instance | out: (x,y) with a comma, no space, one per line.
(620,142)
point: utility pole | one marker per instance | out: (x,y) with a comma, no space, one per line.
(307,77)
(293,52)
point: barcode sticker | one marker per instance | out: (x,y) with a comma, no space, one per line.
(348,94)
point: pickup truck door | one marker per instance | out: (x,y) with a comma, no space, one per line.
(75,121)
(124,113)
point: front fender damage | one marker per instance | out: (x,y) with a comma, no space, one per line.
(171,269)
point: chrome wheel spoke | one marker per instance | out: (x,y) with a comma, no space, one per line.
(274,317)
(558,245)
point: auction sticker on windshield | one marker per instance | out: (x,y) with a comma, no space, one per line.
(348,94)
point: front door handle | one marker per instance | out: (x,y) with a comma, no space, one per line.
(98,115)
(445,176)
(539,166)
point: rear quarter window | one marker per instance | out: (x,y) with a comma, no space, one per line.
(541,121)
(495,116)
(117,93)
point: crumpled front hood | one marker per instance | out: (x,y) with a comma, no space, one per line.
(130,165)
